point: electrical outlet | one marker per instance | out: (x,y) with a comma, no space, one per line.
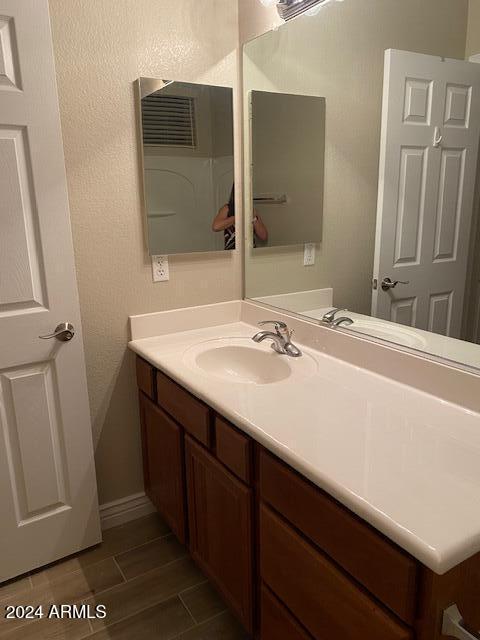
(160,270)
(309,254)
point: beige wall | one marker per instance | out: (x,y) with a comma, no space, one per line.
(101,47)
(473,37)
(340,54)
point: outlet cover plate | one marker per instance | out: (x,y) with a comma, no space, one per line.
(309,254)
(160,269)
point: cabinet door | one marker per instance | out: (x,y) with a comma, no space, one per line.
(163,465)
(220,519)
(276,621)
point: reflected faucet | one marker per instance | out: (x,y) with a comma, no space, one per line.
(281,342)
(329,318)
(342,321)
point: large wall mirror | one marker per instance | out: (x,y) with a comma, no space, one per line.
(188,164)
(397,163)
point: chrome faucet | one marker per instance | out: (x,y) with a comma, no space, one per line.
(329,318)
(342,321)
(281,338)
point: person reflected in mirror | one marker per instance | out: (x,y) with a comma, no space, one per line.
(225,221)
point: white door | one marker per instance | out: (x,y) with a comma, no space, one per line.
(429,154)
(48,497)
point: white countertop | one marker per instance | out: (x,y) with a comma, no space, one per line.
(406,462)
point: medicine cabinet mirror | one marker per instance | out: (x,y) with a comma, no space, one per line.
(188,167)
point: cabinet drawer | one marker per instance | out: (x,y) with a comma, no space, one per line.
(145,377)
(190,412)
(233,449)
(385,570)
(276,621)
(318,594)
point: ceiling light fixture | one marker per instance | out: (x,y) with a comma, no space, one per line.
(289,9)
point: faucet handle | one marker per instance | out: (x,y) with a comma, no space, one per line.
(278,324)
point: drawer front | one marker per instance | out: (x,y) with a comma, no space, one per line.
(318,594)
(233,449)
(276,621)
(145,377)
(190,412)
(378,565)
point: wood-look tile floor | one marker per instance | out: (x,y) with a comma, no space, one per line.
(150,587)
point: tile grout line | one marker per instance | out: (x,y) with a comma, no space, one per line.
(179,635)
(195,586)
(140,575)
(115,562)
(150,606)
(81,569)
(143,544)
(179,595)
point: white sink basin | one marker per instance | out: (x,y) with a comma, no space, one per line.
(239,360)
(389,331)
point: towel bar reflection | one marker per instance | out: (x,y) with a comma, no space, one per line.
(271,200)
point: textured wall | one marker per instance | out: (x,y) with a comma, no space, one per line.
(340,54)
(101,47)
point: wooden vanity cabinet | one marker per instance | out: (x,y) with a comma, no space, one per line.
(289,560)
(197,465)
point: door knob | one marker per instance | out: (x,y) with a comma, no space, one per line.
(63,332)
(388,284)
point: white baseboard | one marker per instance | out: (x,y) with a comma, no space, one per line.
(124,510)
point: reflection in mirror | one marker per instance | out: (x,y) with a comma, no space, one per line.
(400,242)
(288,149)
(187,150)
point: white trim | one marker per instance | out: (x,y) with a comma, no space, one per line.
(475,58)
(124,510)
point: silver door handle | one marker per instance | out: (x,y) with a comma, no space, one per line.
(453,625)
(63,332)
(388,284)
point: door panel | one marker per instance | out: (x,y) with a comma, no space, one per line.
(458,102)
(411,205)
(9,76)
(33,438)
(404,311)
(450,196)
(428,163)
(440,313)
(48,494)
(418,101)
(20,254)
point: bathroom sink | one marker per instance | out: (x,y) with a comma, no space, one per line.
(389,331)
(239,360)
